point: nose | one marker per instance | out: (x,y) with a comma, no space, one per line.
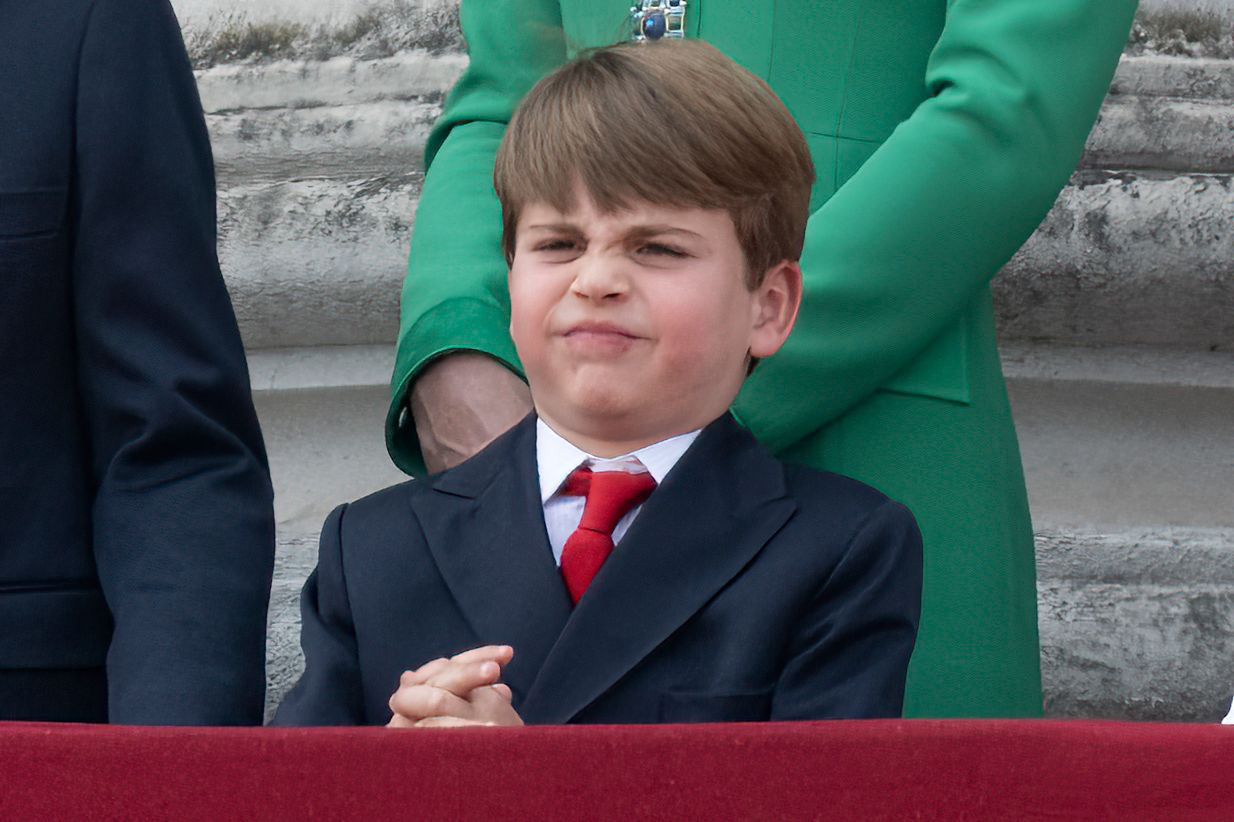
(599,278)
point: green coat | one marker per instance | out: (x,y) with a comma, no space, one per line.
(942,132)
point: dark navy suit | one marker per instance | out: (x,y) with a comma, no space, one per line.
(745,589)
(136,527)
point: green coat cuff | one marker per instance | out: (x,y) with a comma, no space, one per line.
(484,325)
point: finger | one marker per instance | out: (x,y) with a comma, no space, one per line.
(399,721)
(461,679)
(501,654)
(418,701)
(449,722)
(503,690)
(419,675)
(490,696)
(489,705)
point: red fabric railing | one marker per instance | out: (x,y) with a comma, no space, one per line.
(855,770)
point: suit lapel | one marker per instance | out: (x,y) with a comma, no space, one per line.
(714,512)
(484,525)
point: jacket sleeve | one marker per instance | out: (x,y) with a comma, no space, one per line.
(849,657)
(183,524)
(329,691)
(455,296)
(898,251)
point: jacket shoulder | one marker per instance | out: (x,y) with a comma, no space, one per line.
(832,496)
(856,520)
(389,504)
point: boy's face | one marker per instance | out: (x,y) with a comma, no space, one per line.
(637,325)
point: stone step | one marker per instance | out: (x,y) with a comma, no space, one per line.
(1163,76)
(322,412)
(411,75)
(1137,624)
(1124,437)
(1127,259)
(418,73)
(1134,624)
(222,32)
(1162,113)
(316,262)
(1121,259)
(357,139)
(1164,133)
(343,142)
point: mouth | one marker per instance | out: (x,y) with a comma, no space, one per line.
(600,330)
(600,338)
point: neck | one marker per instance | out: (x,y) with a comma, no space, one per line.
(607,446)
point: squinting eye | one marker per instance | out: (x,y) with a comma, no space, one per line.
(555,245)
(662,250)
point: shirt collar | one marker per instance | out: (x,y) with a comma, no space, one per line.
(556,457)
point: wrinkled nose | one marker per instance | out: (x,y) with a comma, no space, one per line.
(599,278)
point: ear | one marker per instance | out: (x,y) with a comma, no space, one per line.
(509,291)
(774,308)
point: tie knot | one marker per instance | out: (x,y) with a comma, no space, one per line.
(610,495)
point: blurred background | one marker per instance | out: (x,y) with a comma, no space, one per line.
(1116,320)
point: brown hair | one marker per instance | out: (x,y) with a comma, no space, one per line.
(665,122)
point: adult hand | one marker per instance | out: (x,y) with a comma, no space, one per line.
(462,690)
(461,403)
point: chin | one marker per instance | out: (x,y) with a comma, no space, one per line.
(586,407)
(602,403)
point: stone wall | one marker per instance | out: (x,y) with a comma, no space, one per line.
(1117,323)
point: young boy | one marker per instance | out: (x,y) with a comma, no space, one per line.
(637,554)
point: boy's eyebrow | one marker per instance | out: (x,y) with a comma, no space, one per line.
(565,227)
(634,231)
(650,230)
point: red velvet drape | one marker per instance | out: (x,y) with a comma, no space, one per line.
(849,770)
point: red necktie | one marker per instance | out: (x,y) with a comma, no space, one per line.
(610,496)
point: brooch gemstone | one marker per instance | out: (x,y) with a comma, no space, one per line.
(658,19)
(653,26)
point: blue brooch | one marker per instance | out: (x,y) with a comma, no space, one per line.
(654,19)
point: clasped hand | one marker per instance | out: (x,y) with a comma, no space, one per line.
(460,691)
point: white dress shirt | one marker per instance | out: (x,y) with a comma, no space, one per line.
(1229,718)
(556,459)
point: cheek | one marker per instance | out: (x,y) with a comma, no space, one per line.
(530,303)
(703,333)
(521,311)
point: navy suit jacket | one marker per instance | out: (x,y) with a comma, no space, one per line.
(136,520)
(745,589)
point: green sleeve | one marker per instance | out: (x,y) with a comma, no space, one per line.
(895,255)
(455,296)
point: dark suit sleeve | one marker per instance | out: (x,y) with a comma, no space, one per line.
(183,518)
(849,657)
(329,692)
